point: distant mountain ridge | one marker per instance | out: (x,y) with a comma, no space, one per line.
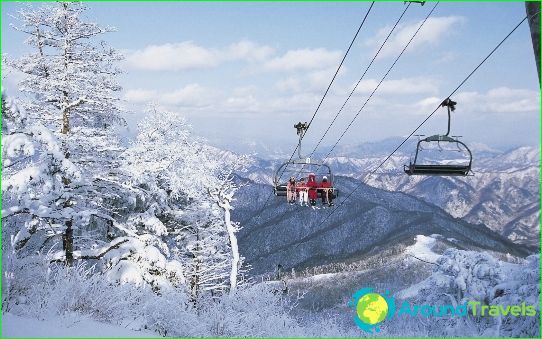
(295,237)
(503,194)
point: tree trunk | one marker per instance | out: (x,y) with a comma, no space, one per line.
(194,283)
(234,247)
(40,49)
(65,122)
(533,11)
(65,113)
(68,243)
(68,236)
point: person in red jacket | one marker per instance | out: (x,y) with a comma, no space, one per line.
(313,189)
(327,193)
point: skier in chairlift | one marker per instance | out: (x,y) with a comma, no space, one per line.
(301,189)
(291,191)
(326,191)
(313,189)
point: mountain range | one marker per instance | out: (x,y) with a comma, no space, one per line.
(372,219)
(503,194)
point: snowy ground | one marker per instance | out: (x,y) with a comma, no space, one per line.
(422,249)
(14,326)
(424,271)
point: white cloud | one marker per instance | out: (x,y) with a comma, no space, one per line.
(140,95)
(312,81)
(433,31)
(247,50)
(501,100)
(247,103)
(245,90)
(303,59)
(302,102)
(172,57)
(290,84)
(192,95)
(426,105)
(416,85)
(188,55)
(496,100)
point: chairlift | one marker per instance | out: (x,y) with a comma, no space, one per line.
(452,169)
(415,2)
(301,168)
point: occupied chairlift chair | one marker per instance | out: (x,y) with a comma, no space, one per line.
(414,168)
(308,166)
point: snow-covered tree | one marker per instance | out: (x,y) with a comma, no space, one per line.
(187,186)
(222,193)
(70,82)
(156,214)
(72,76)
(34,171)
(460,277)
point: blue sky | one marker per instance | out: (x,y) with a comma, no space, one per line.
(246,72)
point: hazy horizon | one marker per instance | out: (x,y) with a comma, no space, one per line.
(245,73)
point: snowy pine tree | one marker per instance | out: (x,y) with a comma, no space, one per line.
(34,170)
(70,79)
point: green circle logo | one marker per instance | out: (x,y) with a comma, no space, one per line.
(372,308)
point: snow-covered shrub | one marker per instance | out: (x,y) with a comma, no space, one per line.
(138,262)
(463,276)
(522,284)
(252,311)
(45,292)
(171,314)
(22,278)
(79,290)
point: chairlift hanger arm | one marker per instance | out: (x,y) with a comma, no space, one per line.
(448,103)
(301,129)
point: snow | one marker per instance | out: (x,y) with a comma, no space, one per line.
(460,276)
(422,248)
(156,244)
(17,144)
(323,277)
(126,272)
(15,326)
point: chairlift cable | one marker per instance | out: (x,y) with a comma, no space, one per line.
(360,79)
(331,83)
(425,120)
(320,103)
(381,81)
(340,65)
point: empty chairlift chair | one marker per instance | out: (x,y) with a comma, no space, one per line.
(448,169)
